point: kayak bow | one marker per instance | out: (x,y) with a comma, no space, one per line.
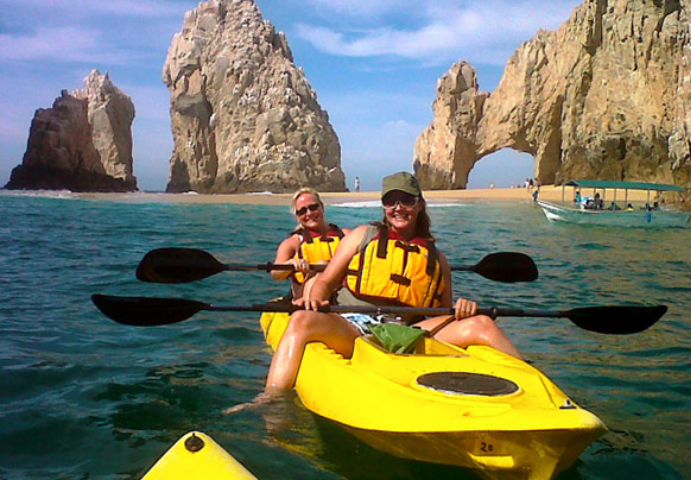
(475,408)
(196,455)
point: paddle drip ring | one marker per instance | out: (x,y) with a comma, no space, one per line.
(463,383)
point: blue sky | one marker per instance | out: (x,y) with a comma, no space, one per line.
(373,63)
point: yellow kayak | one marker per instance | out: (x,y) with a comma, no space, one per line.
(196,455)
(475,408)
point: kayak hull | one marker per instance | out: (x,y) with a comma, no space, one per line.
(196,455)
(475,408)
(492,455)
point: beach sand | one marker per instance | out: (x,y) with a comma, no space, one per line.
(548,193)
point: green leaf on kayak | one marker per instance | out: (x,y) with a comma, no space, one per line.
(397,338)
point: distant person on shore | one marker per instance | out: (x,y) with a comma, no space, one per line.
(577,199)
(357,184)
(314,241)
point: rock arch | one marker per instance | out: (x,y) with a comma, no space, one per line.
(606,96)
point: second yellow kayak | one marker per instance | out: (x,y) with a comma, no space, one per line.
(197,456)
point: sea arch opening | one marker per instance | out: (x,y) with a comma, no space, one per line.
(504,168)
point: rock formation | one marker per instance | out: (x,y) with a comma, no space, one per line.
(83,143)
(607,96)
(244,118)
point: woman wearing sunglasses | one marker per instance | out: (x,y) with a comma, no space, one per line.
(314,241)
(394,262)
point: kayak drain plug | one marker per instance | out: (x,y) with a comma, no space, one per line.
(194,443)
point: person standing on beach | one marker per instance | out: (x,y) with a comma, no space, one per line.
(357,184)
(314,241)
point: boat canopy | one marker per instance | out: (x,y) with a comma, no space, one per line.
(659,187)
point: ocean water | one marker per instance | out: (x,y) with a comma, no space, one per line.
(83,397)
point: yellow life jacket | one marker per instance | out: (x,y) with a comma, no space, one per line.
(315,247)
(390,268)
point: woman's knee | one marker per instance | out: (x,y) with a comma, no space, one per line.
(483,325)
(301,322)
(476,328)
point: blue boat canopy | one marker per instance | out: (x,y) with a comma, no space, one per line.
(659,187)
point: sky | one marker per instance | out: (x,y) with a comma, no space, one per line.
(373,63)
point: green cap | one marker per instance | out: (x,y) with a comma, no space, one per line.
(403,181)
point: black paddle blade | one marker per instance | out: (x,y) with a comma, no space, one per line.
(177,265)
(507,267)
(616,320)
(146,312)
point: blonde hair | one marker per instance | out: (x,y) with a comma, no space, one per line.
(303,191)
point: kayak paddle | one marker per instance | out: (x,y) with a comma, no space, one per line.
(148,311)
(182,265)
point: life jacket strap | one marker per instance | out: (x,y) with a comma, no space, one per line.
(407,247)
(383,241)
(400,279)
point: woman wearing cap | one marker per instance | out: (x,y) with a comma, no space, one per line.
(369,265)
(314,241)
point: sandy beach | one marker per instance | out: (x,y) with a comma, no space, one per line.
(549,193)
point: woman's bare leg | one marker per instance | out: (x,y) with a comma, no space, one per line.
(477,330)
(308,326)
(305,326)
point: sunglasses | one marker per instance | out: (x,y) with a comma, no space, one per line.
(403,199)
(312,208)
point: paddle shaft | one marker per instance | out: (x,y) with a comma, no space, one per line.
(181,265)
(317,267)
(147,311)
(492,312)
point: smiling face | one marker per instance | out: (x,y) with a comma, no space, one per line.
(309,212)
(402,210)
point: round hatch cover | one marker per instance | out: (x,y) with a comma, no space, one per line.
(464,383)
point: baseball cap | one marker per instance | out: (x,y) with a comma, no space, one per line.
(403,181)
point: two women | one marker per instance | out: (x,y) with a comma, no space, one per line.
(393,262)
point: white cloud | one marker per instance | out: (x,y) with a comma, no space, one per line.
(61,43)
(487,30)
(102,32)
(358,7)
(147,8)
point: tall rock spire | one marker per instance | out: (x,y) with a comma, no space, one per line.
(244,118)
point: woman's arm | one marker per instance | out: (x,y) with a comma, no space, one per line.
(447,294)
(330,279)
(285,254)
(464,307)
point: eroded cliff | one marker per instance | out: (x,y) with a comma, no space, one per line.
(607,96)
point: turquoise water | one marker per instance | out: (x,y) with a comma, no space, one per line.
(83,397)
